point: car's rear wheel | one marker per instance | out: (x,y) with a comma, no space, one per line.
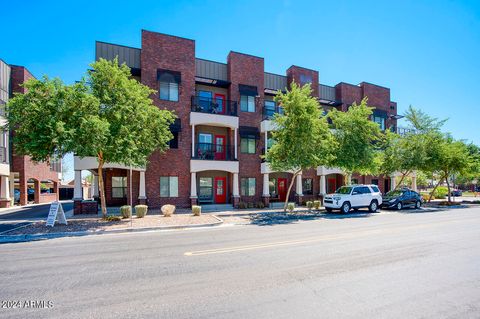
(418,204)
(346,207)
(399,206)
(373,206)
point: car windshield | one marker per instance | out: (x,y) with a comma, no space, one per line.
(395,193)
(344,190)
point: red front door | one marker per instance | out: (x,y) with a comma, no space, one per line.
(220,147)
(220,190)
(219,103)
(332,185)
(282,189)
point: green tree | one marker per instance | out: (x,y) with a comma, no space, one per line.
(108,115)
(358,140)
(451,157)
(302,139)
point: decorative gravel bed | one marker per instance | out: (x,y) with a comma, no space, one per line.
(97,224)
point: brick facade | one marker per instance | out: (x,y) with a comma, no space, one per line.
(160,51)
(23,165)
(166,52)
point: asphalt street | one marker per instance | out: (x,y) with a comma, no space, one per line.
(24,215)
(387,265)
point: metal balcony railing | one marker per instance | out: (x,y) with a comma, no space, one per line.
(270,110)
(214,106)
(214,152)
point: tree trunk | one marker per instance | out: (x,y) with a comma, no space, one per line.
(289,189)
(101,185)
(347,177)
(401,180)
(448,187)
(433,190)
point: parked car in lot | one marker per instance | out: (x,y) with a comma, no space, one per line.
(354,196)
(456,192)
(401,198)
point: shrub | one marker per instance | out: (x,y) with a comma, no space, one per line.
(316,204)
(290,207)
(260,205)
(168,210)
(250,205)
(112,218)
(126,211)
(441,192)
(309,205)
(141,210)
(242,205)
(196,210)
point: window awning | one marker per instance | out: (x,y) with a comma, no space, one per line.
(168,76)
(247,90)
(380,113)
(176,126)
(249,132)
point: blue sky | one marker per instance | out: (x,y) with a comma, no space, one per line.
(427,52)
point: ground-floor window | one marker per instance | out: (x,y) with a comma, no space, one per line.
(119,186)
(168,186)
(354,181)
(205,188)
(307,186)
(248,186)
(375,181)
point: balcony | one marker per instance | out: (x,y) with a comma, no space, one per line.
(270,110)
(214,106)
(214,152)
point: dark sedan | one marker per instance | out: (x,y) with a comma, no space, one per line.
(456,192)
(401,198)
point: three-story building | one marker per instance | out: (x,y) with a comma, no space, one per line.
(224,125)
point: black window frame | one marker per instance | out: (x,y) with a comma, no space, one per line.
(307,192)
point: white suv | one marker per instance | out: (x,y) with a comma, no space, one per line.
(354,196)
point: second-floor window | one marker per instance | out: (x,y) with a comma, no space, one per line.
(168,83)
(248,145)
(247,103)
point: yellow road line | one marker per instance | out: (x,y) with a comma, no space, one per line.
(313,239)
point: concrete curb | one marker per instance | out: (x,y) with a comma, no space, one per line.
(4,239)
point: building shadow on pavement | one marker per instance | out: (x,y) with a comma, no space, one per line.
(282,218)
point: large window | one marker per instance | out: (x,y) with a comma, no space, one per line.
(205,188)
(248,145)
(168,87)
(307,186)
(247,186)
(205,99)
(174,141)
(119,186)
(168,186)
(247,103)
(380,121)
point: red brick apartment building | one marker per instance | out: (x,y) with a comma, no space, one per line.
(22,181)
(224,122)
